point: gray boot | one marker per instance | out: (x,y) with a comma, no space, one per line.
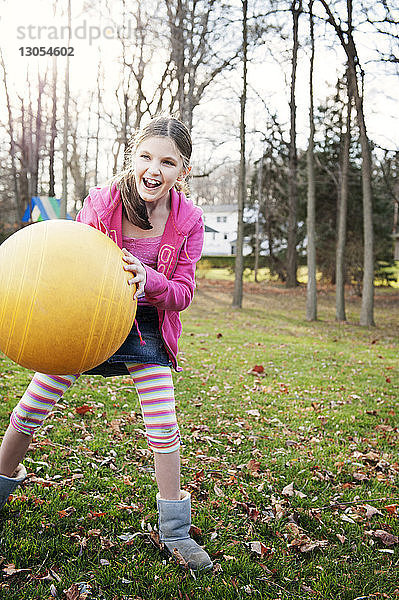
(174,527)
(8,485)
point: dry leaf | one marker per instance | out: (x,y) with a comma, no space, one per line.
(253,467)
(386,538)
(259,548)
(82,410)
(218,491)
(72,593)
(194,530)
(253,412)
(179,558)
(392,509)
(360,476)
(347,519)
(288,490)
(341,538)
(371,511)
(10,569)
(154,535)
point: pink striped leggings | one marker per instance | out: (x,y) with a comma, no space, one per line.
(155,389)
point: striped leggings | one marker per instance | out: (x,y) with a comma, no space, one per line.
(155,389)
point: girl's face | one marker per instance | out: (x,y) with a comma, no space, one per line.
(157,165)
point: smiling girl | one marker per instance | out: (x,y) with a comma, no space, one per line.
(161,233)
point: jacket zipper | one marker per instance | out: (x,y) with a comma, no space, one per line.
(163,316)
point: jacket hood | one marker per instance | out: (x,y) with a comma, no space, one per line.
(184,213)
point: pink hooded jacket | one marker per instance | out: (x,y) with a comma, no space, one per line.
(171,286)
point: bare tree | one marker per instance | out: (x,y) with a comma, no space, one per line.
(53,131)
(35,153)
(340,314)
(64,199)
(18,205)
(311,298)
(296,10)
(242,188)
(355,74)
(197,38)
(257,209)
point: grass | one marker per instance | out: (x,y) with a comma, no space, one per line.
(321,416)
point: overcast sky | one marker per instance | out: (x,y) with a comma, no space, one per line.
(32,23)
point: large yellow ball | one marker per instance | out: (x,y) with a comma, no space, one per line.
(65,304)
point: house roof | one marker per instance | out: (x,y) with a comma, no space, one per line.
(219,208)
(210,229)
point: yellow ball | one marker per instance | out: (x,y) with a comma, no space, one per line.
(65,305)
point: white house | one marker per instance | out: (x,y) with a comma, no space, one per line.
(221,230)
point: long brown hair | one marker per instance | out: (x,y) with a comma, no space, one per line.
(164,126)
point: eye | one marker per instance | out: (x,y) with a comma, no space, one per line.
(144,155)
(169,162)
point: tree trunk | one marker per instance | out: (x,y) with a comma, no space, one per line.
(258,204)
(296,9)
(311,298)
(342,212)
(38,136)
(64,199)
(18,206)
(53,132)
(367,309)
(242,188)
(348,43)
(97,138)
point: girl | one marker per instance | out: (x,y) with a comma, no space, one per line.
(161,233)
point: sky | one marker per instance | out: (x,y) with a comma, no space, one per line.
(29,23)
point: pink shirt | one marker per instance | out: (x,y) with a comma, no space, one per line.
(170,287)
(146,250)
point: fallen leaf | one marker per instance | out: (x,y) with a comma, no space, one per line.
(259,548)
(347,519)
(72,593)
(253,467)
(386,538)
(371,511)
(392,509)
(194,530)
(10,569)
(82,410)
(300,494)
(253,412)
(288,490)
(341,538)
(218,490)
(155,538)
(179,558)
(95,515)
(257,369)
(360,476)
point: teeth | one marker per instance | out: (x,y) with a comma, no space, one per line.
(152,181)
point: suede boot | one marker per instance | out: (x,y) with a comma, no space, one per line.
(8,485)
(174,527)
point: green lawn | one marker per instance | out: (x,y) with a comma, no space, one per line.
(293,471)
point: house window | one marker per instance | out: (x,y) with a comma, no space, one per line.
(225,236)
(221,219)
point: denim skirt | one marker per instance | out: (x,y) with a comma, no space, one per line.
(153,352)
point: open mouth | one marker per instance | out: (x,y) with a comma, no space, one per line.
(151,184)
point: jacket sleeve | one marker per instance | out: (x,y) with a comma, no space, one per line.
(87,214)
(177,293)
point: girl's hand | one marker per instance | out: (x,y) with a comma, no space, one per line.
(134,265)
